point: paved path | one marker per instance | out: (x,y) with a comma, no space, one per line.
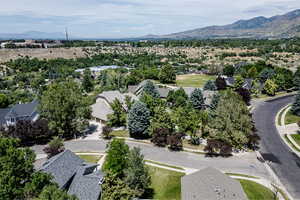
(247,164)
(282,160)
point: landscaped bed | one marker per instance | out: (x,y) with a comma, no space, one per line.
(193,80)
(91,158)
(165,183)
(290,118)
(255,191)
(296,138)
(121,133)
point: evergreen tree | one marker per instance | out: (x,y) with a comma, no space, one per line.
(215,100)
(197,99)
(167,74)
(138,120)
(161,119)
(296,105)
(150,89)
(221,83)
(210,85)
(137,175)
(4,102)
(118,118)
(87,82)
(116,159)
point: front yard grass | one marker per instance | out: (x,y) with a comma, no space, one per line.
(163,164)
(193,80)
(255,191)
(121,133)
(290,118)
(166,184)
(290,143)
(91,158)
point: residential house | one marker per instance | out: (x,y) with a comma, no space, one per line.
(138,89)
(231,80)
(74,175)
(211,184)
(27,111)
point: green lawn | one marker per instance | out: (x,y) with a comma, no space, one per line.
(165,184)
(291,144)
(296,138)
(255,191)
(163,164)
(123,133)
(90,158)
(193,80)
(290,118)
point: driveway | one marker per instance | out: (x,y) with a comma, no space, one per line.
(282,160)
(247,164)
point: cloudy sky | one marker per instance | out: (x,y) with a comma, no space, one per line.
(129,18)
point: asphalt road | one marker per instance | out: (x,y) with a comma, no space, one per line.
(282,160)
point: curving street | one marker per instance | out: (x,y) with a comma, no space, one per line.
(281,159)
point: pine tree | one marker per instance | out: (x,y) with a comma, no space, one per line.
(210,85)
(87,82)
(138,120)
(296,105)
(149,88)
(197,99)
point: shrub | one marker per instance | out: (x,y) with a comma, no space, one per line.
(175,141)
(106,130)
(54,147)
(160,136)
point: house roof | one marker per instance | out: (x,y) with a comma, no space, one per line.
(110,96)
(163,92)
(101,110)
(86,183)
(20,110)
(62,167)
(211,184)
(3,113)
(231,80)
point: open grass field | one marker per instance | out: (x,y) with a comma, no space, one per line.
(290,118)
(193,80)
(166,184)
(90,158)
(255,191)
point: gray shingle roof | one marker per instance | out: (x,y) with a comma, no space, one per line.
(110,96)
(62,167)
(101,110)
(20,110)
(86,183)
(211,184)
(3,113)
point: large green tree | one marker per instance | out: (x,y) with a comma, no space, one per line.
(177,98)
(270,87)
(87,82)
(52,192)
(161,119)
(232,121)
(150,89)
(138,120)
(167,74)
(66,110)
(197,99)
(4,102)
(118,118)
(116,159)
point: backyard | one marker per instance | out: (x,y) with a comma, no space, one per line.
(193,80)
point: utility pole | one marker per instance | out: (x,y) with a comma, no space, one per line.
(67,35)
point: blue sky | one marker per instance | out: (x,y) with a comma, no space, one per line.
(130,18)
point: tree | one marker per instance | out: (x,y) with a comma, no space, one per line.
(221,83)
(4,102)
(16,168)
(54,147)
(296,105)
(255,89)
(87,82)
(118,118)
(215,101)
(214,147)
(177,98)
(197,99)
(137,175)
(38,181)
(239,82)
(175,141)
(149,88)
(161,119)
(114,188)
(160,136)
(229,70)
(106,130)
(266,74)
(167,74)
(151,102)
(245,94)
(138,120)
(296,79)
(270,87)
(232,122)
(116,159)
(128,102)
(52,192)
(65,108)
(252,72)
(210,85)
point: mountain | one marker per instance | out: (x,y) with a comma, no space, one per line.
(32,35)
(279,26)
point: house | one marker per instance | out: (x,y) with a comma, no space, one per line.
(102,108)
(231,80)
(211,184)
(27,111)
(74,175)
(138,89)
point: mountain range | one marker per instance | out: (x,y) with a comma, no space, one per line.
(279,26)
(32,35)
